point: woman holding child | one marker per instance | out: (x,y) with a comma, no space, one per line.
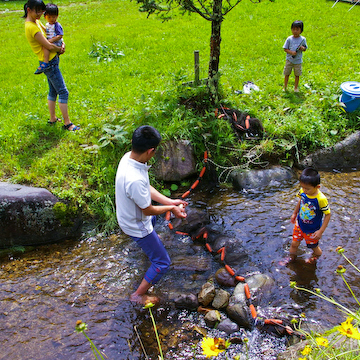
(34,32)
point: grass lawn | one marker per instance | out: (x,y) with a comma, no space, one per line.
(142,86)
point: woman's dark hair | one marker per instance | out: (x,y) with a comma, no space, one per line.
(298,24)
(310,176)
(144,138)
(51,9)
(34,5)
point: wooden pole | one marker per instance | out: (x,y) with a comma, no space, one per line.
(197,67)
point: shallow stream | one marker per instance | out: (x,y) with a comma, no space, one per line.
(43,291)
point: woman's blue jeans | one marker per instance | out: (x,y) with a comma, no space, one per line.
(156,252)
(56,82)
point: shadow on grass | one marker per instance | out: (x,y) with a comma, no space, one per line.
(39,140)
(293,97)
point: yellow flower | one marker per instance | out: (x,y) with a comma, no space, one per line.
(302,358)
(307,350)
(347,329)
(322,341)
(212,347)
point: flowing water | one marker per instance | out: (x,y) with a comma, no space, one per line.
(43,291)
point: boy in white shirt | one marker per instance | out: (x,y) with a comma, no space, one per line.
(134,210)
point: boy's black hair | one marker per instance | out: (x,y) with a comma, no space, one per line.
(51,9)
(34,5)
(298,24)
(144,138)
(310,176)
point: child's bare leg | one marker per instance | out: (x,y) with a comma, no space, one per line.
(296,86)
(317,252)
(286,80)
(43,64)
(46,55)
(293,250)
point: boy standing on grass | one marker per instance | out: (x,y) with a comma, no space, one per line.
(311,215)
(294,46)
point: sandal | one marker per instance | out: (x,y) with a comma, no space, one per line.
(68,126)
(41,68)
(54,122)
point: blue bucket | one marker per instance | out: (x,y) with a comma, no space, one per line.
(351,95)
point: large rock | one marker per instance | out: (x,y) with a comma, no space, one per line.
(195,220)
(344,155)
(254,179)
(175,160)
(33,216)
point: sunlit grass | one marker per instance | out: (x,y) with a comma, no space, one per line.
(142,86)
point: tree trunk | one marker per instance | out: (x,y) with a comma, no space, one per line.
(215,41)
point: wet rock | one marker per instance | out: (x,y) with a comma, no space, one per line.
(228,326)
(175,160)
(343,155)
(34,216)
(253,179)
(221,299)
(206,294)
(239,313)
(292,352)
(238,309)
(186,301)
(195,220)
(223,278)
(212,318)
(259,281)
(238,295)
(235,254)
(220,242)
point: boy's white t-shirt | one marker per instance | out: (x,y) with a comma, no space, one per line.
(132,194)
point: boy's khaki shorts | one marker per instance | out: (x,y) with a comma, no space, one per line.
(289,66)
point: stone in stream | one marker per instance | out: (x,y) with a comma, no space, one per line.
(34,216)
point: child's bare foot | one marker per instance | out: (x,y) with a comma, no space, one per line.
(142,299)
(312,260)
(287,260)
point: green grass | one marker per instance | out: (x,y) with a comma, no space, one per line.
(143,86)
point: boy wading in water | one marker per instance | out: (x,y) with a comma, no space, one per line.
(294,46)
(134,210)
(311,215)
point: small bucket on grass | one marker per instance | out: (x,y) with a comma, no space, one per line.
(351,95)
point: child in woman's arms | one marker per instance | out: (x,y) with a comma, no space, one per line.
(54,33)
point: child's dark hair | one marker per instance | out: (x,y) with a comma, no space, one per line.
(310,176)
(51,9)
(298,24)
(34,5)
(144,138)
